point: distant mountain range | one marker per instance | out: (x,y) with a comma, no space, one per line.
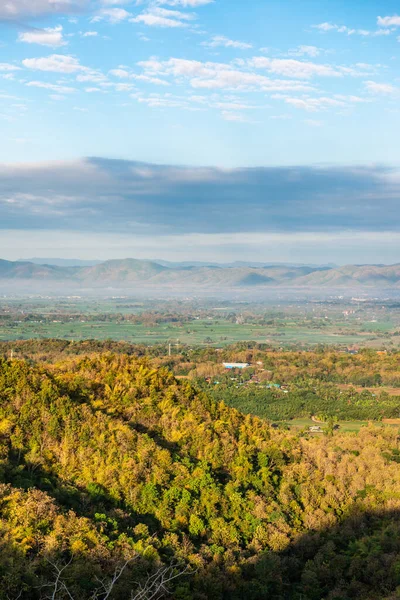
(77,262)
(130,273)
(61,262)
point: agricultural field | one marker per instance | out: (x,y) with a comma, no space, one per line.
(344,426)
(202,322)
(216,333)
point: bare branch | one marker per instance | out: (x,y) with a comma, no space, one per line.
(17,597)
(155,587)
(156,584)
(109,586)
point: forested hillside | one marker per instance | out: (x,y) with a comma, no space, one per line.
(105,459)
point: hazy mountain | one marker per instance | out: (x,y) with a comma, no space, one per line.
(238,263)
(28,270)
(146,273)
(126,270)
(366,275)
(62,262)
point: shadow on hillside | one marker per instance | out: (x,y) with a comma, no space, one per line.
(357,559)
(54,576)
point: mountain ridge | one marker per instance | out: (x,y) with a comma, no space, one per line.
(131,271)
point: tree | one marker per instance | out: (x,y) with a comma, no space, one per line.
(155,587)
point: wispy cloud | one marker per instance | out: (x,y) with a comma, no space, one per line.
(162,17)
(380,88)
(125,74)
(8,67)
(112,15)
(294,68)
(45,37)
(323,103)
(393,21)
(216,76)
(312,51)
(16,9)
(327,26)
(57,63)
(62,89)
(315,104)
(220,40)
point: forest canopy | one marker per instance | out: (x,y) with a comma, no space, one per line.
(106,461)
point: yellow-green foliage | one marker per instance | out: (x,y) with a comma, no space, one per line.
(105,457)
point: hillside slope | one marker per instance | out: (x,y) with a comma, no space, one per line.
(117,458)
(27,270)
(123,271)
(366,275)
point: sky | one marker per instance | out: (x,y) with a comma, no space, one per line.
(200,130)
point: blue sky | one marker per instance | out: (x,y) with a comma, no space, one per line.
(224,84)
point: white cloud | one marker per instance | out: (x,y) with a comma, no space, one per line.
(162,17)
(67,64)
(112,15)
(45,37)
(14,9)
(57,63)
(153,20)
(297,69)
(62,89)
(228,109)
(211,75)
(380,88)
(90,34)
(221,40)
(352,99)
(8,67)
(325,27)
(93,76)
(148,79)
(121,73)
(123,87)
(393,21)
(315,104)
(312,51)
(124,74)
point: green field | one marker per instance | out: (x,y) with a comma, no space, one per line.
(197,332)
(345,426)
(200,322)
